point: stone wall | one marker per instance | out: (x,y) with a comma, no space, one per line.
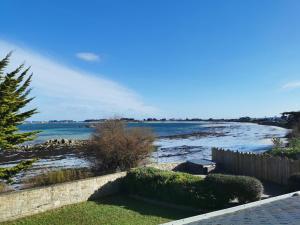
(18,204)
(28,202)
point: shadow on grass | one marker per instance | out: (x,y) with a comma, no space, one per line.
(110,188)
(145,208)
(113,188)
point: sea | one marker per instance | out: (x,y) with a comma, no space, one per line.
(246,137)
(175,141)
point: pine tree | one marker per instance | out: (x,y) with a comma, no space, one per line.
(14,92)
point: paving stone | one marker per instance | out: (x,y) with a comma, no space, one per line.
(284,211)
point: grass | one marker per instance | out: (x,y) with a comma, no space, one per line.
(112,210)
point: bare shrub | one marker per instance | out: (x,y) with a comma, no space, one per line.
(117,146)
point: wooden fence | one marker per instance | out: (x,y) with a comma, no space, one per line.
(263,167)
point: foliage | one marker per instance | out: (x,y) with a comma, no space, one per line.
(117,146)
(59,176)
(292,150)
(292,118)
(295,132)
(244,188)
(176,187)
(215,191)
(8,173)
(14,91)
(294,182)
(113,210)
(277,144)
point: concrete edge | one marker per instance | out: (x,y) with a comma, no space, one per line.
(229,210)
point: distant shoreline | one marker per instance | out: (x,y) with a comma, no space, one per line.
(262,121)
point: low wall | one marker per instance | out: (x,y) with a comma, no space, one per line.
(28,202)
(18,204)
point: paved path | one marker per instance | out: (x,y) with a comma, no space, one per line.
(285,211)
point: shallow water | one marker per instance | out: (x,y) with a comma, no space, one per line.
(246,137)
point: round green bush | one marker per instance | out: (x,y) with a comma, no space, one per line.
(244,188)
(294,182)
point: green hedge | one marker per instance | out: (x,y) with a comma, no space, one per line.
(294,182)
(215,191)
(244,188)
(176,187)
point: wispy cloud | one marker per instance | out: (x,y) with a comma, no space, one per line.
(291,85)
(88,56)
(63,92)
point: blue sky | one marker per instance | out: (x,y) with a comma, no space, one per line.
(94,59)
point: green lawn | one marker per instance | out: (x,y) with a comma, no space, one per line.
(113,210)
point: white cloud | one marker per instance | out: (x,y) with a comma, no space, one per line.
(88,56)
(63,92)
(291,85)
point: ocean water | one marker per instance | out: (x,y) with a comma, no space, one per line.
(83,131)
(244,137)
(58,131)
(229,135)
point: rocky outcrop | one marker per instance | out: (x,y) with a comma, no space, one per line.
(62,141)
(57,144)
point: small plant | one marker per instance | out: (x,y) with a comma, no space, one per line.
(277,144)
(59,176)
(292,150)
(8,173)
(294,182)
(118,147)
